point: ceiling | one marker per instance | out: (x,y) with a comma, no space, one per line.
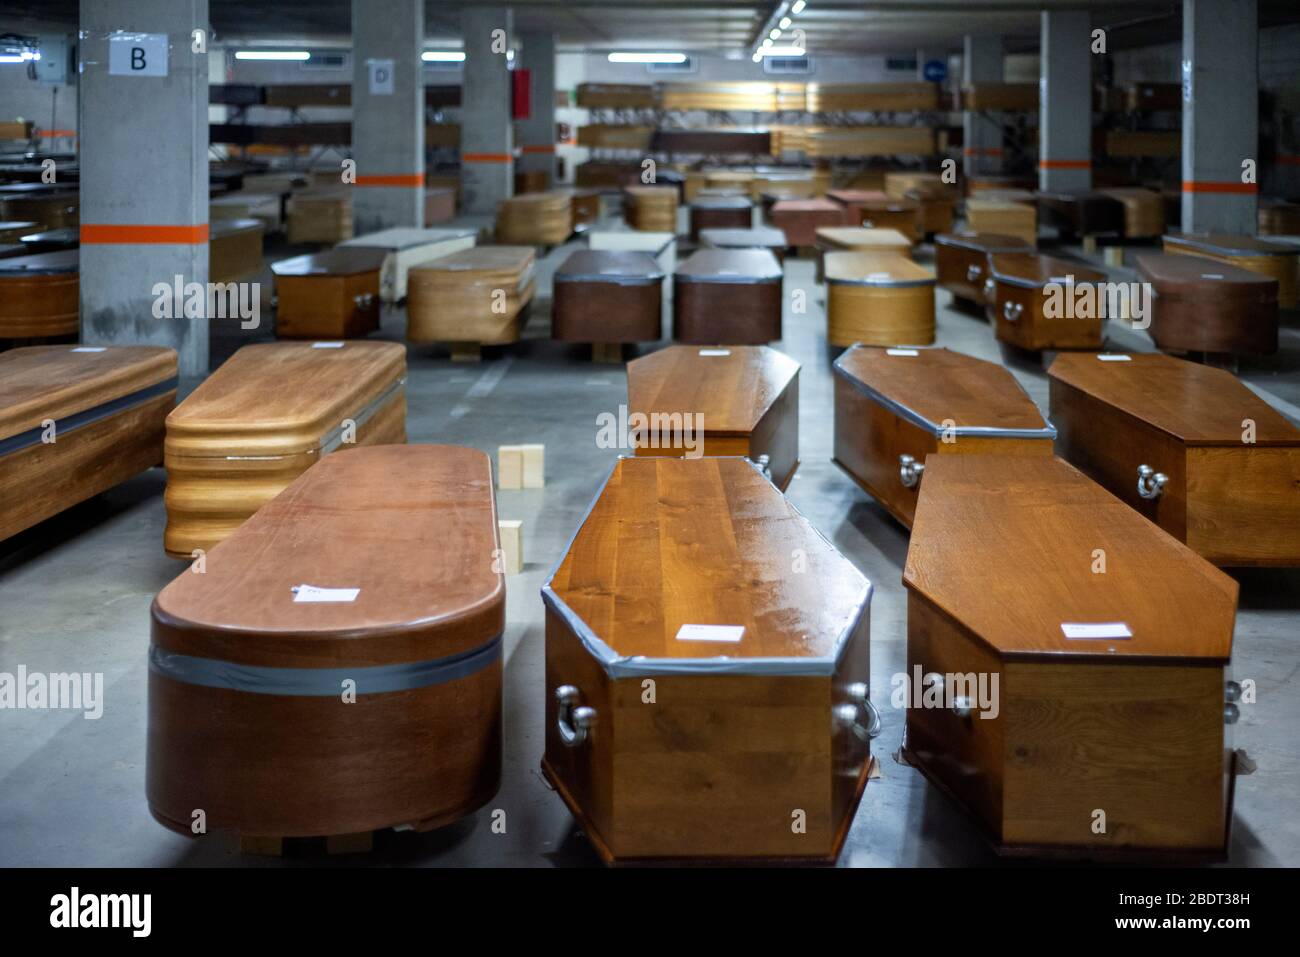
(830,26)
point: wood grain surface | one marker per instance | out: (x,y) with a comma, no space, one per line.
(878,299)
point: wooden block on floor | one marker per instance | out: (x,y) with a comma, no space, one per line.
(607,352)
(263,846)
(512,546)
(534,457)
(360,843)
(510,466)
(466,352)
(1114,255)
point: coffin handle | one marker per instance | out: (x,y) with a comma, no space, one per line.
(573,722)
(364,300)
(1011,311)
(847,714)
(764,463)
(973,272)
(990,289)
(909,471)
(1150,482)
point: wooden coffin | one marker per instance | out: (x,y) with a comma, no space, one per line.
(615,96)
(961,260)
(529,181)
(858,239)
(663,246)
(897,184)
(800,219)
(535,219)
(727,296)
(832,141)
(439,205)
(320,216)
(404,247)
(881,299)
(1035,302)
(605,174)
(1104,736)
(851,200)
(283,716)
(616,136)
(584,207)
(478,295)
(1188,446)
(1004,218)
(1279,261)
(75,421)
(720,212)
(40,295)
(793,185)
(51,240)
(871,97)
(1144,97)
(1144,211)
(13,230)
(893,407)
(1000,97)
(264,207)
(1129,144)
(651,208)
(757,745)
(263,418)
(757,237)
(1080,212)
(937,210)
(716,141)
(1277,218)
(235,249)
(602,296)
(903,215)
(736,400)
(332,294)
(51,206)
(1208,307)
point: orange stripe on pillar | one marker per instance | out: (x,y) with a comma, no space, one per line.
(539,149)
(485,157)
(392,179)
(109,234)
(1190,187)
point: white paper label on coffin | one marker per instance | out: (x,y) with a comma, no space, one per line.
(715,352)
(729,633)
(312,593)
(1096,631)
(901,352)
(327,345)
(1110,358)
(89,349)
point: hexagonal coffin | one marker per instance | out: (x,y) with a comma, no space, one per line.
(1066,664)
(707,667)
(688,401)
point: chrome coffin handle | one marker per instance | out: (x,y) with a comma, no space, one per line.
(364,300)
(990,289)
(909,471)
(962,706)
(1150,482)
(846,715)
(764,463)
(573,722)
(1011,311)
(973,272)
(1231,695)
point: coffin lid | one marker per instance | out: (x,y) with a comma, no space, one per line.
(863,237)
(730,265)
(1004,200)
(57,382)
(1073,196)
(1034,270)
(931,386)
(888,204)
(412,526)
(1005,545)
(339,261)
(249,199)
(884,269)
(661,193)
(407,237)
(731,386)
(284,398)
(626,268)
(630,239)
(555,200)
(984,242)
(509,266)
(70,235)
(1195,404)
(806,206)
(759,237)
(737,201)
(707,541)
(228,227)
(1194,277)
(18,225)
(855,195)
(57,263)
(1228,244)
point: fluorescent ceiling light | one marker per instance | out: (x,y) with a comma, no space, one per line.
(767,42)
(757,57)
(647,58)
(781,51)
(785,23)
(775,34)
(11,58)
(272,55)
(798,6)
(443,56)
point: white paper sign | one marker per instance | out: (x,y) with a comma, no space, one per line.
(901,352)
(710,632)
(715,352)
(381,77)
(1096,632)
(1108,357)
(137,54)
(310,593)
(327,345)
(88,349)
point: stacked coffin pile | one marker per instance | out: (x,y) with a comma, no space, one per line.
(477,295)
(652,208)
(535,219)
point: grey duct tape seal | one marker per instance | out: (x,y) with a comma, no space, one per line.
(321,682)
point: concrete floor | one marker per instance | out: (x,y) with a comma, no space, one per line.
(75,594)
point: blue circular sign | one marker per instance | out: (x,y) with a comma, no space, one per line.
(936,71)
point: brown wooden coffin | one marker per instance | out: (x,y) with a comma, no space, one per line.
(1104,736)
(1208,307)
(584,207)
(720,212)
(727,296)
(937,210)
(235,249)
(606,296)
(893,407)
(858,239)
(535,219)
(903,215)
(75,421)
(53,207)
(651,208)
(615,96)
(1278,218)
(801,218)
(1188,446)
(328,295)
(40,295)
(282,716)
(477,295)
(1003,217)
(662,246)
(757,237)
(755,743)
(269,413)
(880,299)
(1034,302)
(52,240)
(1080,212)
(1144,211)
(961,260)
(320,216)
(732,400)
(1280,261)
(13,230)
(851,200)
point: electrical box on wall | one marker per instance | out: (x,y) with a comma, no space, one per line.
(55,64)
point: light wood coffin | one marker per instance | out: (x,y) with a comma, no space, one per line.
(1188,446)
(328,295)
(663,246)
(961,261)
(40,295)
(879,299)
(1003,217)
(405,247)
(269,413)
(858,239)
(732,400)
(1200,306)
(752,749)
(1089,746)
(651,208)
(1278,218)
(728,296)
(801,218)
(263,207)
(1039,302)
(1144,211)
(1279,261)
(478,295)
(235,249)
(75,421)
(248,713)
(893,407)
(604,296)
(320,216)
(535,219)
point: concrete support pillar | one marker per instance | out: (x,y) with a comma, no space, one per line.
(981,63)
(1065,101)
(387,113)
(537,133)
(486,136)
(143,107)
(1220,114)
